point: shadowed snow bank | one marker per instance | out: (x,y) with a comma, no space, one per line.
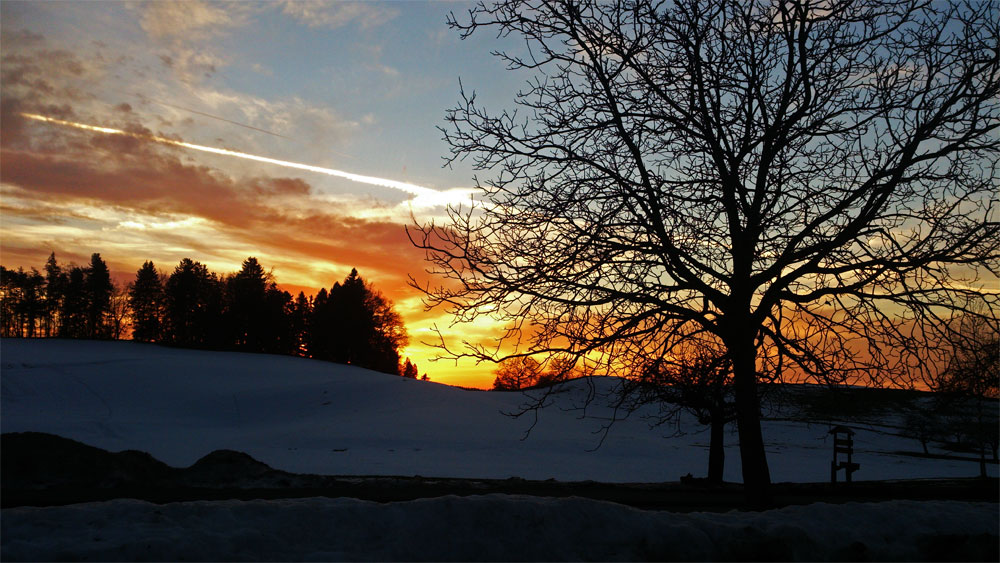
(495,527)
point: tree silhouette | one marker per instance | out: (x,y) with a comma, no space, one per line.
(696,378)
(146,299)
(409,369)
(351,323)
(517,373)
(193,306)
(55,291)
(972,373)
(809,184)
(23,303)
(8,303)
(300,316)
(75,306)
(278,335)
(98,288)
(119,311)
(320,337)
(246,298)
(355,324)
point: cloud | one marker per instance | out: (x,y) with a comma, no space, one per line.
(186,31)
(191,64)
(20,38)
(309,124)
(37,75)
(384,69)
(335,13)
(191,19)
(276,215)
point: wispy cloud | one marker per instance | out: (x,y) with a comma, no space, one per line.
(191,19)
(185,30)
(335,13)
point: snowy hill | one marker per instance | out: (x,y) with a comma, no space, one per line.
(315,417)
(308,416)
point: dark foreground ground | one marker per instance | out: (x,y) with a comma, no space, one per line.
(46,470)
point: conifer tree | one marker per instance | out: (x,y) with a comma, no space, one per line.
(146,298)
(355,324)
(409,369)
(193,306)
(277,330)
(55,291)
(319,340)
(98,288)
(246,294)
(301,313)
(75,305)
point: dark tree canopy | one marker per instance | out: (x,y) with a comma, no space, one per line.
(247,314)
(73,314)
(55,291)
(813,184)
(514,374)
(696,378)
(971,374)
(193,306)
(23,304)
(352,323)
(409,369)
(98,298)
(146,299)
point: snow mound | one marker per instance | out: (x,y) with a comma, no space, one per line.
(494,528)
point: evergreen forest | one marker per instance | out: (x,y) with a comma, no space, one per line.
(193,307)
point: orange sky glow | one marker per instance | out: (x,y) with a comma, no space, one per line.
(221,130)
(181,207)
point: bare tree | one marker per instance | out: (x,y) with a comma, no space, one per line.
(517,373)
(972,373)
(811,183)
(696,378)
(120,310)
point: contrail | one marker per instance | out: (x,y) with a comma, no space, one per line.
(213,116)
(427,196)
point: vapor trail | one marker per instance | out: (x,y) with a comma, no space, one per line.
(194,111)
(427,196)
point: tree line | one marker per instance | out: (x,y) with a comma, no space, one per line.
(192,307)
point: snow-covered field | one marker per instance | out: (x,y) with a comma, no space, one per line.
(314,417)
(307,416)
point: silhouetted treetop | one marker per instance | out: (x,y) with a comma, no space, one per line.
(146,298)
(355,324)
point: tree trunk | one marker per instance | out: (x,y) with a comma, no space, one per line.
(756,476)
(981,437)
(716,448)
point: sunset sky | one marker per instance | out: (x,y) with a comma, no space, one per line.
(354,91)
